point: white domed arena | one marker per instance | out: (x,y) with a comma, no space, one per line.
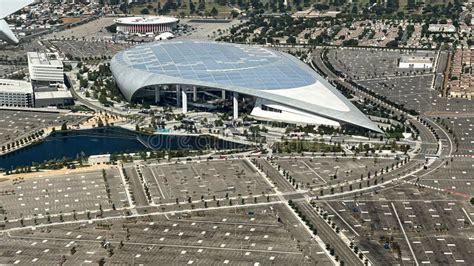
(151,24)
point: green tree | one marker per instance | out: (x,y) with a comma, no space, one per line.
(83,83)
(202,5)
(392,5)
(234,14)
(392,44)
(218,123)
(103,99)
(192,7)
(214,12)
(291,40)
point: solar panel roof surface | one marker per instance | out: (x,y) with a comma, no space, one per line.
(223,63)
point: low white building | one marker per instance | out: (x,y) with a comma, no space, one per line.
(415,62)
(99,159)
(442,28)
(53,98)
(164,36)
(16,93)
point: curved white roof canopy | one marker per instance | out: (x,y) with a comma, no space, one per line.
(250,70)
(8,7)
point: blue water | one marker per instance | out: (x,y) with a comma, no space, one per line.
(72,144)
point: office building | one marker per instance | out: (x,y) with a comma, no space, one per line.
(16,93)
(46,70)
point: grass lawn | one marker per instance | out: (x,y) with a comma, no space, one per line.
(303,145)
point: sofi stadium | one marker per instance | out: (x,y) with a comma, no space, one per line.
(282,87)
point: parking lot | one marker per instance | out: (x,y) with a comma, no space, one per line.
(378,71)
(313,173)
(229,178)
(436,224)
(462,128)
(205,30)
(92,30)
(17,124)
(240,236)
(362,64)
(89,49)
(438,218)
(115,188)
(40,196)
(413,91)
(450,106)
(13,59)
(454,177)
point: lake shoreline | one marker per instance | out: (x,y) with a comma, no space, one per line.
(114,139)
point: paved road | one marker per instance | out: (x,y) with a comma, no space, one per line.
(94,106)
(327,234)
(282,184)
(79,98)
(137,188)
(425,134)
(317,61)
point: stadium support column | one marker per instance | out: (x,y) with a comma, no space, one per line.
(235,101)
(223,94)
(157,94)
(194,94)
(184,101)
(178,96)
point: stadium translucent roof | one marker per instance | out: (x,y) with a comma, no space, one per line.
(250,70)
(245,66)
